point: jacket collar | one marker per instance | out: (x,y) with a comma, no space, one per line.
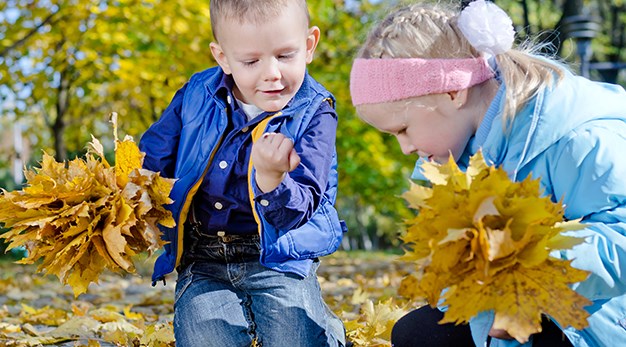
(220,84)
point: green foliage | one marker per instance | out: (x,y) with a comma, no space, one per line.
(6,179)
(372,169)
(71,63)
(14,254)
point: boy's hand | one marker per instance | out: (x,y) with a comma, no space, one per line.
(273,156)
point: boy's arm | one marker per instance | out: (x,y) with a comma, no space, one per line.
(298,192)
(160,141)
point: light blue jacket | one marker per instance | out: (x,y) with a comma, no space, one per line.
(573,138)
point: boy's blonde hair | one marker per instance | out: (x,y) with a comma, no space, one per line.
(254,11)
(430,31)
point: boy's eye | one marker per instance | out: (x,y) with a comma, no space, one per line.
(249,62)
(286,56)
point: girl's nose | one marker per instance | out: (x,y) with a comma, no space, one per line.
(405,144)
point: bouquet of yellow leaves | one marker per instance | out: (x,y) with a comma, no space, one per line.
(85,215)
(482,242)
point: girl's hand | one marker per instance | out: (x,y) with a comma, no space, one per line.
(273,156)
(500,334)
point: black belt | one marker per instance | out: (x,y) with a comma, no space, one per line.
(197,230)
(227,238)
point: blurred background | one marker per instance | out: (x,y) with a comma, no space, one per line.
(65,65)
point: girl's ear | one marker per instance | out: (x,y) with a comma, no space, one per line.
(220,57)
(458,97)
(312,39)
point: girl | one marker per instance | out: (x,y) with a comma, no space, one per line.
(448,82)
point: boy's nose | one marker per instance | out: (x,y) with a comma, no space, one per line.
(272,71)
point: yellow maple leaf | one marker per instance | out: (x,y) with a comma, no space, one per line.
(83,216)
(159,335)
(132,315)
(482,242)
(127,158)
(373,327)
(45,315)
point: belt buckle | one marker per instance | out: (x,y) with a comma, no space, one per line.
(225,238)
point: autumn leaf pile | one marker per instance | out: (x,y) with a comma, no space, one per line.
(373,326)
(483,242)
(86,328)
(85,215)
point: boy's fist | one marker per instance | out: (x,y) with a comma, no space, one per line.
(273,156)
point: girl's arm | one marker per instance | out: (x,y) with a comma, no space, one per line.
(588,172)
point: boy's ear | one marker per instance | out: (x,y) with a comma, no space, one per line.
(312,39)
(220,57)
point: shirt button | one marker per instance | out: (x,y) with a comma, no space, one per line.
(229,100)
(223,164)
(218,206)
(264,202)
(244,129)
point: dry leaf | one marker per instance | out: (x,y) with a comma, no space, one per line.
(373,327)
(84,215)
(487,240)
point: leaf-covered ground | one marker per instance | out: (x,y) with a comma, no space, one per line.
(127,311)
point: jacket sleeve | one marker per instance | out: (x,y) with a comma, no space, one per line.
(588,171)
(160,141)
(293,202)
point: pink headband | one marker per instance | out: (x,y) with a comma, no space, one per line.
(383,80)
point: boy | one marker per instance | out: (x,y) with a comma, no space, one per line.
(251,144)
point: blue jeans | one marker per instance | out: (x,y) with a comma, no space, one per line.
(230,299)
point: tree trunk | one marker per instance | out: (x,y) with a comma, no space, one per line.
(59,125)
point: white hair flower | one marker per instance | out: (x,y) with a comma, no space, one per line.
(487,27)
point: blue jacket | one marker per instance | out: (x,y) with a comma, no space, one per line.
(573,138)
(203,121)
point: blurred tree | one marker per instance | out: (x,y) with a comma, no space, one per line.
(68,63)
(550,22)
(372,169)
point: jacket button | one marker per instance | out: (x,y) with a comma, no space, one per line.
(218,206)
(244,129)
(229,99)
(223,164)
(264,202)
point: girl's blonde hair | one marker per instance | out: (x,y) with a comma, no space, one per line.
(430,31)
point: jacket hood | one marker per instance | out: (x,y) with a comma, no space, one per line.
(550,115)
